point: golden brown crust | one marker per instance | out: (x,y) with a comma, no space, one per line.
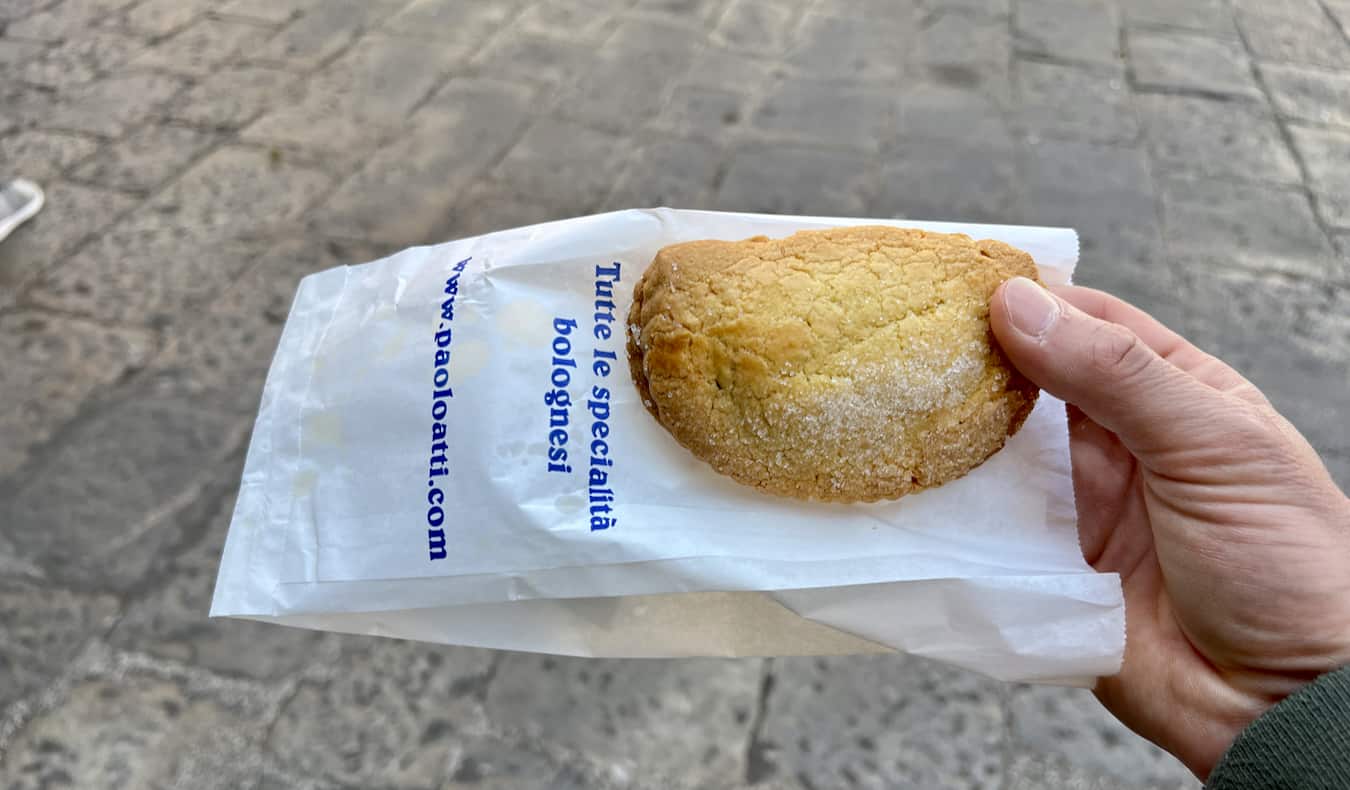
(850,364)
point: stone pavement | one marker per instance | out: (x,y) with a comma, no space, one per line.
(201,157)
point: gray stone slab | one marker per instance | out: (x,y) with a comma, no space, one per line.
(170,622)
(1235,139)
(873,10)
(1067,100)
(458,29)
(80,59)
(828,113)
(702,11)
(162,17)
(785,179)
(667,172)
(649,56)
(562,163)
(959,180)
(635,91)
(1339,467)
(995,8)
(113,105)
(1340,11)
(1147,280)
(53,364)
(850,47)
(1175,61)
(534,58)
(493,205)
(704,113)
(140,731)
(1031,771)
(585,22)
(43,156)
(18,9)
(181,247)
(1072,724)
(1210,16)
(1326,155)
(144,159)
(940,112)
(1258,227)
(349,132)
(67,20)
(359,99)
(233,96)
(237,190)
(387,74)
(880,721)
(1324,330)
(219,354)
(407,188)
(965,51)
(43,629)
(203,46)
(679,723)
(749,26)
(1265,327)
(490,762)
(322,31)
(22,106)
(71,214)
(96,510)
(391,715)
(1308,94)
(714,67)
(1103,191)
(1294,31)
(1233,308)
(1083,30)
(157,267)
(270,11)
(15,55)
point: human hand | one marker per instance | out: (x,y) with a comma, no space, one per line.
(1231,539)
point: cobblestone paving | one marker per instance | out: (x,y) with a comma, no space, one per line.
(201,157)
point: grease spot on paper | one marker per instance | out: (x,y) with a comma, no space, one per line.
(302,484)
(468,359)
(524,322)
(323,427)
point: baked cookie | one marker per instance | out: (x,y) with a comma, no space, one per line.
(846,365)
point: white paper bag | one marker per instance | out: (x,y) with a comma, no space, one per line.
(450,448)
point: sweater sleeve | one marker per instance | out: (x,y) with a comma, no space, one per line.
(1303,742)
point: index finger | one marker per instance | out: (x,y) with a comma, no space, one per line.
(1168,344)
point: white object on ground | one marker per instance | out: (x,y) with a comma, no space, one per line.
(20,199)
(406,478)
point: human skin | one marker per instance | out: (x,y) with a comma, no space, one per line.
(1230,537)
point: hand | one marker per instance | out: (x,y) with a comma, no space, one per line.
(1231,539)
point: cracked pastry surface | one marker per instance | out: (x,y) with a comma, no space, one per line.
(844,365)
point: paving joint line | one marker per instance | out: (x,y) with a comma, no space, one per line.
(1287,137)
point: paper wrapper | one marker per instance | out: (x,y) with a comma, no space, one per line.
(404,479)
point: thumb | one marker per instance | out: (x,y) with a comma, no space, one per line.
(1104,369)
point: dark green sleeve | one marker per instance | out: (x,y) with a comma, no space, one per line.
(1303,742)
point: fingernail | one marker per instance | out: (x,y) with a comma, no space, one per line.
(1031,309)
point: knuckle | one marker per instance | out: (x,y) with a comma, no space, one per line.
(1119,353)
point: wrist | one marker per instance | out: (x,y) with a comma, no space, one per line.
(1302,741)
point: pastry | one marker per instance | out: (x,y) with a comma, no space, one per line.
(844,365)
